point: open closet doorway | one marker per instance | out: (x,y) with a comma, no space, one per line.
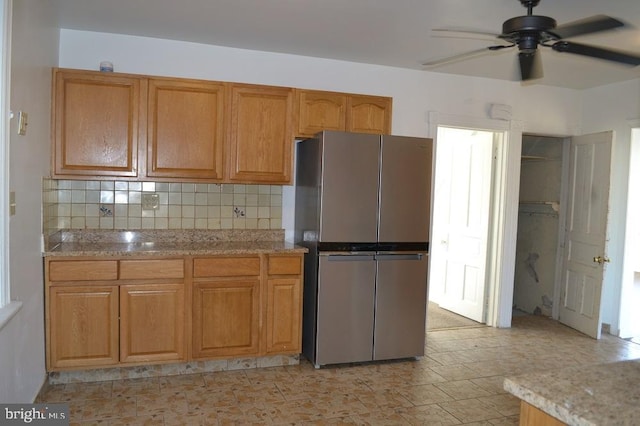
(544,169)
(464,168)
(561,251)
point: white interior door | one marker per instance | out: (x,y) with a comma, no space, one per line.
(585,245)
(462,195)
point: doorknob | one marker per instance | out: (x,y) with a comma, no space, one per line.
(601,259)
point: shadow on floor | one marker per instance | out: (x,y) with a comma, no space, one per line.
(442,319)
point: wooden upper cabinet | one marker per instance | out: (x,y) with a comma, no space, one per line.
(97,123)
(136,127)
(318,111)
(369,114)
(185,129)
(261,134)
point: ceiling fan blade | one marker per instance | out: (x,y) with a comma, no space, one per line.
(597,52)
(459,32)
(465,55)
(530,66)
(589,25)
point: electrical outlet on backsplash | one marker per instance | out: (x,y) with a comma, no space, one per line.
(87,204)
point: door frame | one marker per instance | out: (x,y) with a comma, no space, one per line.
(628,324)
(503,227)
(459,252)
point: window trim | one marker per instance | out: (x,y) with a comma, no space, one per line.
(5,68)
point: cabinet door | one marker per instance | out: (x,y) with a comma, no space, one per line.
(152,322)
(318,111)
(283,315)
(98,120)
(185,129)
(226,318)
(261,134)
(83,326)
(369,114)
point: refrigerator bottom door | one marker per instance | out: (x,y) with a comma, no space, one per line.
(346,292)
(401,306)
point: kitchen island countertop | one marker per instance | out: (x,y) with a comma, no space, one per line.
(601,394)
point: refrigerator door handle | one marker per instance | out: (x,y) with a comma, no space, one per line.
(404,256)
(350,257)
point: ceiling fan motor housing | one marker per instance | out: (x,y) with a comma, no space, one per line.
(527,31)
(534,23)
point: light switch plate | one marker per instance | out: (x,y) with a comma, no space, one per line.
(150,201)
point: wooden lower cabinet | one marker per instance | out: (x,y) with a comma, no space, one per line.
(122,312)
(283,312)
(83,323)
(152,323)
(226,316)
(532,416)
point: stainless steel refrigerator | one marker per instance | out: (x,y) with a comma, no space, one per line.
(363,210)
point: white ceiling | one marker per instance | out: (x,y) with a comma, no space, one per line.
(386,32)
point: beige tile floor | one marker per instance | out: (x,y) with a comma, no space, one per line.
(459,381)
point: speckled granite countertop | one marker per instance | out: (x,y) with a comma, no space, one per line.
(602,394)
(167,243)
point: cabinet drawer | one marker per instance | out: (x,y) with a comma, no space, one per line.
(226,266)
(146,269)
(83,270)
(285,265)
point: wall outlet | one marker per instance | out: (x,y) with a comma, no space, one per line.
(150,201)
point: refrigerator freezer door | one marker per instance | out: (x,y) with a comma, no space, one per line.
(346,292)
(405,189)
(349,187)
(401,306)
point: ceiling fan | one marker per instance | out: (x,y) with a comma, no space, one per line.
(530,31)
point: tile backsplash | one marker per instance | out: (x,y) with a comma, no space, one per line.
(80,204)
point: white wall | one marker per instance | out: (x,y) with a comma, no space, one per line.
(543,110)
(34,52)
(615,107)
